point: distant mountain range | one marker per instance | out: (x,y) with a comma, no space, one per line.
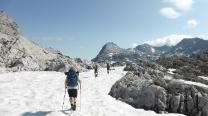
(113,53)
(189,46)
(19,53)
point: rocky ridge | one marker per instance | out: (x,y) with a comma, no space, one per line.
(153,87)
(18,53)
(189,46)
(145,52)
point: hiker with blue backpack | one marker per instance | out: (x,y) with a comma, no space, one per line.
(71,84)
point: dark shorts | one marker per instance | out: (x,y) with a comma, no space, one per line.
(72,92)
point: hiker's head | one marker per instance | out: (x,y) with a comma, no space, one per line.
(72,71)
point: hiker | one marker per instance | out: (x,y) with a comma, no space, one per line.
(108,67)
(71,83)
(96,70)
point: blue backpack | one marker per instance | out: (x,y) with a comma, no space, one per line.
(72,78)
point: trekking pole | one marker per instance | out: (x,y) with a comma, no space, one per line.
(64,99)
(80,97)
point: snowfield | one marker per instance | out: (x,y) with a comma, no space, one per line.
(41,94)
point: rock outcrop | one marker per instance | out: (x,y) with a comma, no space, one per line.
(189,67)
(8,26)
(150,87)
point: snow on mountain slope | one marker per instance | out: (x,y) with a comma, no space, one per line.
(203,77)
(41,94)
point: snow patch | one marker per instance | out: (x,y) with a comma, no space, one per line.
(203,77)
(197,51)
(193,83)
(38,93)
(171,70)
(166,77)
(110,54)
(153,50)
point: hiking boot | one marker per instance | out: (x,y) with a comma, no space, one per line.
(74,107)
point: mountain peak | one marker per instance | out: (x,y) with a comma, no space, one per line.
(143,45)
(191,41)
(189,46)
(107,51)
(8,26)
(110,44)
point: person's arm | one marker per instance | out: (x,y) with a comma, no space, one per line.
(80,84)
(65,83)
(79,81)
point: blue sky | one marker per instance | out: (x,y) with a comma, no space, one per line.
(79,28)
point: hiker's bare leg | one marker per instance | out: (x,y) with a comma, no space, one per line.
(74,103)
(71,100)
(75,100)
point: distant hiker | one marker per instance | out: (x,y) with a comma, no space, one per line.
(96,70)
(108,67)
(71,83)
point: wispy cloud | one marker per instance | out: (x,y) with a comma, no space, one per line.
(183,5)
(192,23)
(179,7)
(169,40)
(170,13)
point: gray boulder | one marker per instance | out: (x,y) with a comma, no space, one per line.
(147,88)
(140,92)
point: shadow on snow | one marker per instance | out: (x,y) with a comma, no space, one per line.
(44,113)
(39,113)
